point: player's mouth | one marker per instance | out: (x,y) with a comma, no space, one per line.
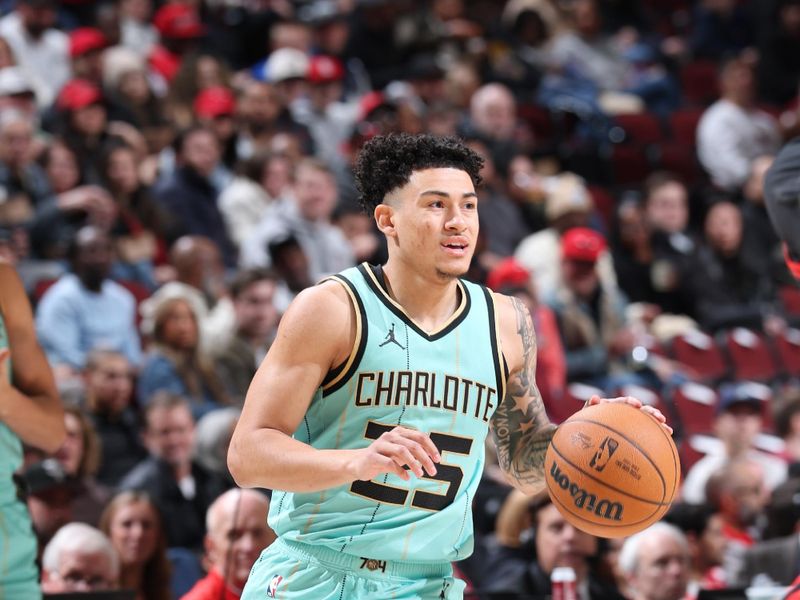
(455,247)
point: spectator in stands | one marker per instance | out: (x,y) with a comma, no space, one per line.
(79,558)
(213,438)
(79,456)
(720,28)
(265,179)
(60,167)
(733,132)
(42,51)
(493,117)
(84,310)
(787,426)
(730,280)
(666,205)
(557,543)
(591,317)
(199,269)
(108,379)
(567,204)
(253,295)
(138,229)
(134,526)
(737,422)
(307,216)
(656,563)
(180,488)
(703,527)
(189,194)
(754,211)
(215,108)
(86,45)
(237,532)
(19,172)
(176,362)
(50,497)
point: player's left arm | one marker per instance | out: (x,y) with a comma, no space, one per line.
(520,427)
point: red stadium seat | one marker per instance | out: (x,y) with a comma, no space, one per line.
(695,405)
(683,125)
(699,351)
(603,203)
(629,164)
(693,449)
(575,396)
(681,159)
(699,82)
(790,298)
(641,128)
(540,121)
(788,346)
(750,355)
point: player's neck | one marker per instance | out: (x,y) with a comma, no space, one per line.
(429,301)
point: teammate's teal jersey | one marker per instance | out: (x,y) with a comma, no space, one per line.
(10,446)
(446,383)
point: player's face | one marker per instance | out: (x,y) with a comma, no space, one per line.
(432,222)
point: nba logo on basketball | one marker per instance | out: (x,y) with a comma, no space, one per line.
(272,589)
(607,448)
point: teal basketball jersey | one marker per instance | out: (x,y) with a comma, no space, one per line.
(445,383)
(10,445)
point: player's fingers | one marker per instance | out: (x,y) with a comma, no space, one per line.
(655,413)
(423,448)
(403,456)
(389,465)
(420,454)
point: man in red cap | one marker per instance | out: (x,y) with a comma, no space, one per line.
(215,108)
(324,111)
(85,49)
(591,316)
(180,28)
(511,278)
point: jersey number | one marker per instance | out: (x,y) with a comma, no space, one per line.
(449,474)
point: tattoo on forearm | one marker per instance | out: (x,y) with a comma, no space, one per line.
(520,427)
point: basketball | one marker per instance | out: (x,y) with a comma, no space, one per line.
(612,470)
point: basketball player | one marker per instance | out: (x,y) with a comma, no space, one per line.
(30,411)
(370,411)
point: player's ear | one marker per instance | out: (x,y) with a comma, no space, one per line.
(384,218)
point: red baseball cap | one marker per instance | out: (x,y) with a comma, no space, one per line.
(77,94)
(582,244)
(508,276)
(325,69)
(178,21)
(214,102)
(86,39)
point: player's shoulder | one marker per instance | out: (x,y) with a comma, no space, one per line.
(322,308)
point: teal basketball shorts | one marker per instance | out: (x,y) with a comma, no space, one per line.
(19,577)
(294,571)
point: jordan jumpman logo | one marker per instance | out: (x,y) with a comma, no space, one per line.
(390,339)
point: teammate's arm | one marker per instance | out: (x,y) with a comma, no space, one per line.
(316,334)
(520,427)
(29,402)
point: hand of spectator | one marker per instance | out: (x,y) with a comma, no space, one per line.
(463,29)
(95,201)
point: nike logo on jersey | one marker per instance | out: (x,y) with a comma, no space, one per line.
(390,339)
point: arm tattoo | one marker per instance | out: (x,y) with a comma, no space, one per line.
(520,427)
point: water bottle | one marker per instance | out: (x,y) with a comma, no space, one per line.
(563,584)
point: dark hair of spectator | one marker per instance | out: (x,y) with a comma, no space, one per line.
(157,571)
(90,459)
(690,518)
(165,400)
(253,168)
(658,180)
(185,134)
(244,279)
(386,163)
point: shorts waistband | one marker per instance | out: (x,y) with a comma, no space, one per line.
(364,565)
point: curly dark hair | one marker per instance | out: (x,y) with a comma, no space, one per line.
(387,161)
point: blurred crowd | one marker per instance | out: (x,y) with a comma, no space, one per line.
(173,174)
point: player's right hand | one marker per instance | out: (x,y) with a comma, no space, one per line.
(392,451)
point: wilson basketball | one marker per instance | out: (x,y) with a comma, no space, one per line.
(612,470)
